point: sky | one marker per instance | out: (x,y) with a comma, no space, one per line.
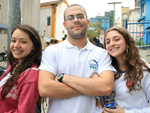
(99,7)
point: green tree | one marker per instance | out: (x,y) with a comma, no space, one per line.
(94,30)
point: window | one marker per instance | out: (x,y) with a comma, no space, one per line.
(48,20)
(1,30)
(143,9)
(5,31)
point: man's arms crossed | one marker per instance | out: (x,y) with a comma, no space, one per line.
(75,86)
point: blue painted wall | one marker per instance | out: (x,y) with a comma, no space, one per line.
(146,19)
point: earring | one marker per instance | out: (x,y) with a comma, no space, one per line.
(127,51)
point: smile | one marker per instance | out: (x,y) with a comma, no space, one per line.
(112,49)
(76,26)
(17,51)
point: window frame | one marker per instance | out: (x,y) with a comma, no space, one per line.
(143,9)
(49,21)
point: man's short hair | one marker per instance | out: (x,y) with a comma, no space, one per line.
(72,5)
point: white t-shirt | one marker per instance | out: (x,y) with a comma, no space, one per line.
(2,82)
(137,101)
(66,58)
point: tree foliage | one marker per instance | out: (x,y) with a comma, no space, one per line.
(94,30)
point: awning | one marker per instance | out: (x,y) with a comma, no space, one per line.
(141,18)
(148,27)
(3,26)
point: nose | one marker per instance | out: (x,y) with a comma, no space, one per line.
(76,19)
(17,44)
(112,43)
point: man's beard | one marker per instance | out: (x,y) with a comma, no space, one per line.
(78,35)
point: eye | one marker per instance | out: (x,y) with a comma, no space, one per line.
(70,17)
(23,42)
(117,39)
(107,42)
(13,40)
(80,16)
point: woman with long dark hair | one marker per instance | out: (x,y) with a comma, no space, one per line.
(19,84)
(132,81)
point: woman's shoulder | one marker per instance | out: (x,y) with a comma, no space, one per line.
(147,64)
(30,74)
(146,72)
(33,67)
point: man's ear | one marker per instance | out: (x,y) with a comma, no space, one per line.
(64,24)
(88,22)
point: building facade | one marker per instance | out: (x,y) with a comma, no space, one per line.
(3,24)
(132,26)
(110,15)
(124,15)
(106,21)
(30,13)
(51,19)
(144,19)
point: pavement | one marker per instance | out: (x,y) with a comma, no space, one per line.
(145,53)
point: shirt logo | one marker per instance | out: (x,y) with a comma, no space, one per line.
(13,93)
(93,64)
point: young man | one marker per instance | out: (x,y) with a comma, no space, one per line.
(65,74)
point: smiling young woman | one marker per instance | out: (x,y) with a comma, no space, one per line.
(132,79)
(19,83)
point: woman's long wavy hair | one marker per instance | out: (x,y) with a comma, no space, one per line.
(133,63)
(33,58)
